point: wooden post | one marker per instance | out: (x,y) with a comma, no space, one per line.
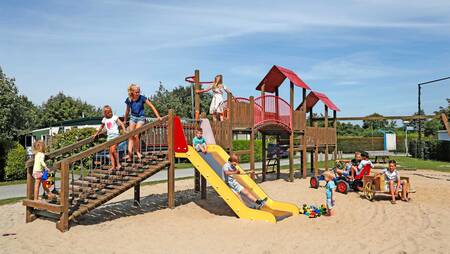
(137,195)
(29,216)
(326,137)
(171,170)
(335,129)
(278,158)
(263,93)
(291,136)
(63,223)
(316,151)
(197,115)
(231,120)
(311,121)
(304,135)
(264,165)
(252,138)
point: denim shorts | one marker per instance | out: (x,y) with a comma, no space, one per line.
(137,119)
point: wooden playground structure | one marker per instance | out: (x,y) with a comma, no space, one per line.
(271,115)
(87,182)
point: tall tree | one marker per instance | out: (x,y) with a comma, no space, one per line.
(62,108)
(179,99)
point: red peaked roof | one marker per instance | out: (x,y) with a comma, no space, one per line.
(313,97)
(275,77)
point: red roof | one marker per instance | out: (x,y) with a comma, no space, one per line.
(276,76)
(313,97)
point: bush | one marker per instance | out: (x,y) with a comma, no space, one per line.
(245,145)
(70,137)
(432,150)
(15,163)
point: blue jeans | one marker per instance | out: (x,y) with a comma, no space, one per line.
(137,119)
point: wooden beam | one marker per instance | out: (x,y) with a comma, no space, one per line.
(37,204)
(326,137)
(171,157)
(303,156)
(335,129)
(380,118)
(444,119)
(252,138)
(291,136)
(137,195)
(63,223)
(197,107)
(264,165)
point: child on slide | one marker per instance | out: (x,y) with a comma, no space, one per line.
(199,142)
(229,170)
(112,131)
(217,103)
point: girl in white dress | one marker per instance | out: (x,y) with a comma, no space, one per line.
(217,103)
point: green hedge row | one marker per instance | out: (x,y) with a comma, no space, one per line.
(245,145)
(352,144)
(432,150)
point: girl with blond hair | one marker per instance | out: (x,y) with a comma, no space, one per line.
(135,109)
(39,167)
(217,103)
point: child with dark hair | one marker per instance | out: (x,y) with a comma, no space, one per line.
(229,170)
(364,162)
(393,182)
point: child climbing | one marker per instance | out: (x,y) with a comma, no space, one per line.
(135,108)
(330,189)
(217,103)
(393,182)
(229,169)
(39,169)
(199,142)
(112,131)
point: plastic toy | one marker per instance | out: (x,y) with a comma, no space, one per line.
(313,211)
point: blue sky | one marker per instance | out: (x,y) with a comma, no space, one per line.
(367,56)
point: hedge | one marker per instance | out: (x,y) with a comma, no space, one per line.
(352,144)
(15,163)
(245,145)
(432,150)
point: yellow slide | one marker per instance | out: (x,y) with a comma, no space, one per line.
(210,167)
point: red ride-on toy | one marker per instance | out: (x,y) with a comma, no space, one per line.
(343,183)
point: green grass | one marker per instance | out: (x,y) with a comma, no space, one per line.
(13,182)
(414,163)
(10,200)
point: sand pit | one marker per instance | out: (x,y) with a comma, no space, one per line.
(209,226)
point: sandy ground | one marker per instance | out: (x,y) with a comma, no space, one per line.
(209,226)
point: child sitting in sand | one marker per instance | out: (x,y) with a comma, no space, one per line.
(330,189)
(112,131)
(199,142)
(348,166)
(38,169)
(393,182)
(229,169)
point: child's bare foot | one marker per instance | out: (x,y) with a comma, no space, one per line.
(127,158)
(393,202)
(139,155)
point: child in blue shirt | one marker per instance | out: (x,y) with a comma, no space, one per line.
(199,142)
(330,189)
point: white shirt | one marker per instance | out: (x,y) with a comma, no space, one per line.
(112,129)
(390,176)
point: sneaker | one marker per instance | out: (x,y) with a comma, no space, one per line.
(261,203)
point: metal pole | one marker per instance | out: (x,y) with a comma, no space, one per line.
(419,142)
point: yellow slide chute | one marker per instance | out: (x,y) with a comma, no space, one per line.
(210,167)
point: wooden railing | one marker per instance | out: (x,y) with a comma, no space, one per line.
(320,136)
(155,137)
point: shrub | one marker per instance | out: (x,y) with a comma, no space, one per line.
(15,163)
(245,145)
(70,137)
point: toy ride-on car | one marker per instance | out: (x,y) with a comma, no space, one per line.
(377,185)
(343,183)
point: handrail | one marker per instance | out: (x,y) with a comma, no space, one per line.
(65,149)
(117,140)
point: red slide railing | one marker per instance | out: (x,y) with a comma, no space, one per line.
(271,108)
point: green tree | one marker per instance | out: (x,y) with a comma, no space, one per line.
(179,99)
(17,115)
(375,124)
(15,163)
(62,108)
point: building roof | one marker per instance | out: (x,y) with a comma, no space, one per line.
(312,99)
(276,76)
